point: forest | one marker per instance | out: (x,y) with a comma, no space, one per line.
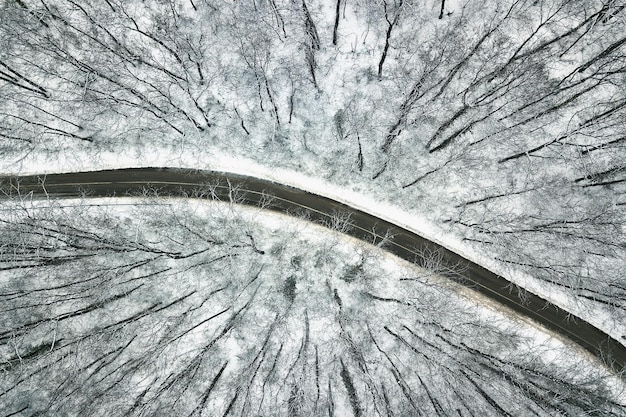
(500,122)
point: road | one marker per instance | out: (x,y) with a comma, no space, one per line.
(285,199)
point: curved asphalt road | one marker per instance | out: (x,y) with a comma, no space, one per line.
(285,199)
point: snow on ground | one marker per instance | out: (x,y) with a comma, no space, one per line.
(349,105)
(310,153)
(320,257)
(394,213)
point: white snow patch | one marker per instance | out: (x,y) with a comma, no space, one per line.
(225,163)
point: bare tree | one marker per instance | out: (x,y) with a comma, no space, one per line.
(391,22)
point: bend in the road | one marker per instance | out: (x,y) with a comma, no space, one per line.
(354,222)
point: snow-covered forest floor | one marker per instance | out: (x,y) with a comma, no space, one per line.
(182,307)
(494,127)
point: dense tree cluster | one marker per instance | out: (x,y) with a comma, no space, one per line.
(509,116)
(197,309)
(506,116)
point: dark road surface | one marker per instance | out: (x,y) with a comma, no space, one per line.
(285,199)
